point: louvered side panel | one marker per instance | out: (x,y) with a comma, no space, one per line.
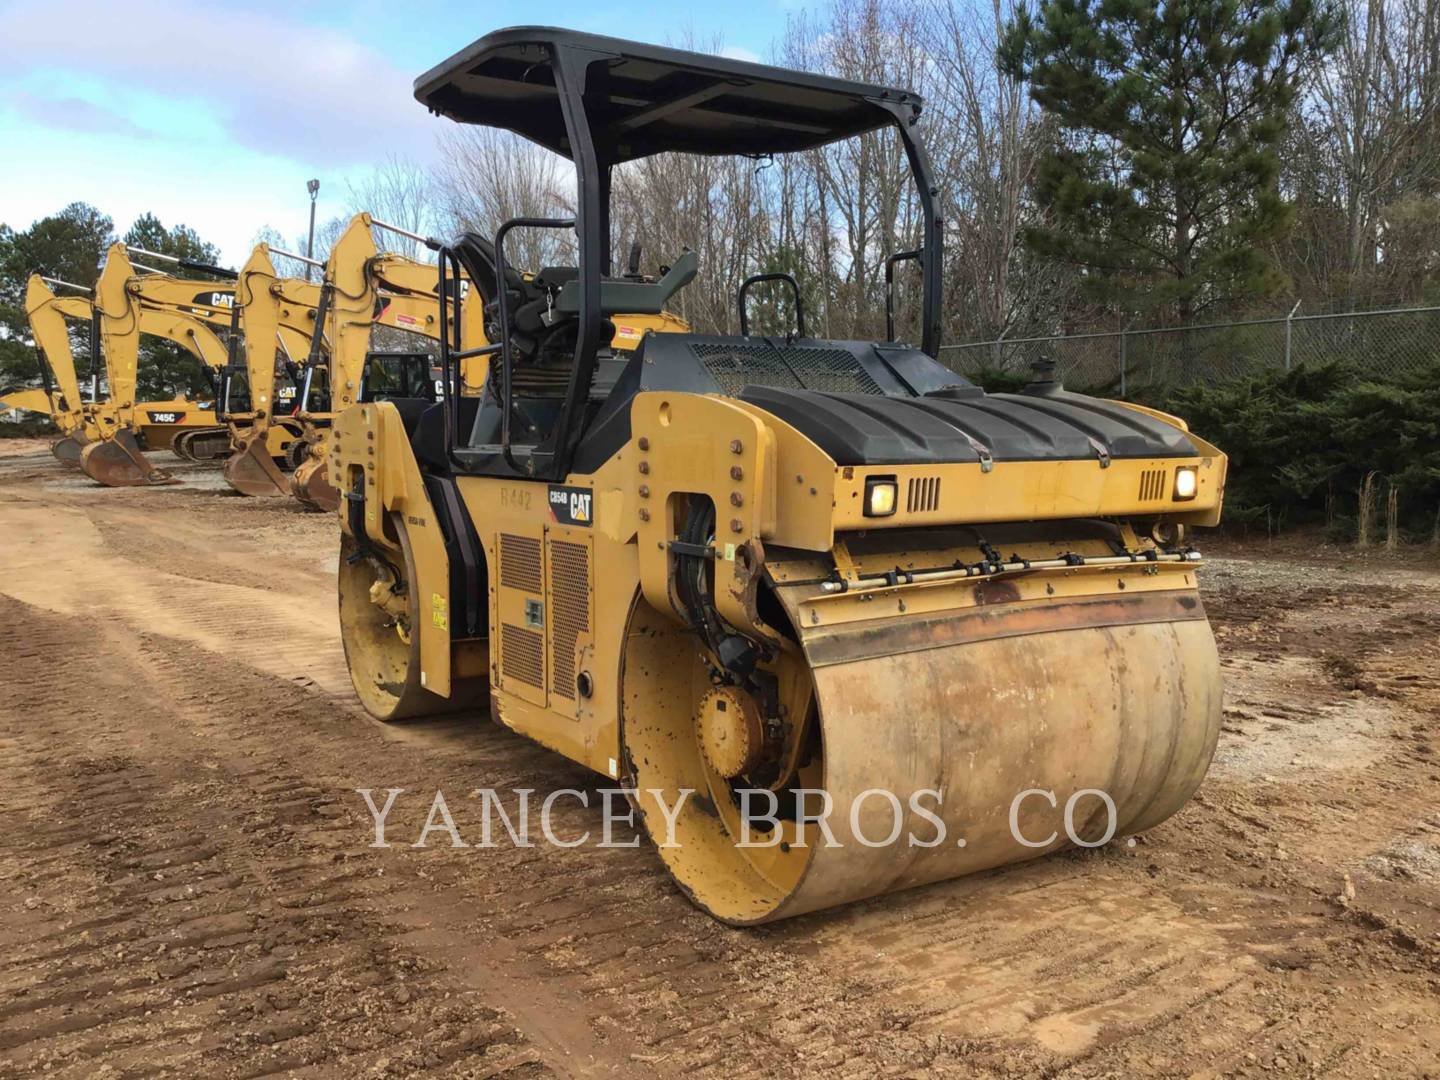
(522,655)
(1152,485)
(520,563)
(922,494)
(569,612)
(522,615)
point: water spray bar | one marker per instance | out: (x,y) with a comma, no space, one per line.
(871,582)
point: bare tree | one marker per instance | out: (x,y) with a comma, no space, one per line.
(987,157)
(1365,149)
(864,182)
(487,176)
(326,233)
(399,192)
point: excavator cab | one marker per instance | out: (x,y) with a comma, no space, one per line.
(403,375)
(827,577)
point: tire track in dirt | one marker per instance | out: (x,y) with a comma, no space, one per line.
(192,906)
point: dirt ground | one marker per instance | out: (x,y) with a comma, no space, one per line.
(187,889)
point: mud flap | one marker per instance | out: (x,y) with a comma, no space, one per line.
(119,462)
(251,470)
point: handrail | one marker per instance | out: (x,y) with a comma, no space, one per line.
(756,279)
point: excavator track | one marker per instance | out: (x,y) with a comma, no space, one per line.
(202,444)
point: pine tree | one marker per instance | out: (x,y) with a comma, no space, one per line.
(65,245)
(1161,183)
(180,241)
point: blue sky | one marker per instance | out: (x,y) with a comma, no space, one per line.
(215,114)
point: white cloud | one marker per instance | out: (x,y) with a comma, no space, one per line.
(276,84)
(735,52)
(73,114)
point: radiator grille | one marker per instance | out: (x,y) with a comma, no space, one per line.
(1152,485)
(569,611)
(922,494)
(522,655)
(520,563)
(735,366)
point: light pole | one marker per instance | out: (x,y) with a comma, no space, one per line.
(312,186)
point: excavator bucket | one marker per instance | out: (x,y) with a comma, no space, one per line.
(68,449)
(251,470)
(311,486)
(118,462)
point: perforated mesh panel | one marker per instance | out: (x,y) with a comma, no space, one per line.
(522,655)
(569,611)
(736,366)
(520,563)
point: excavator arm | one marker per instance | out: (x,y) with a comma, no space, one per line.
(46,313)
(129,305)
(271,308)
(367,287)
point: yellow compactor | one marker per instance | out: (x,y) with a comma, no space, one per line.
(754,578)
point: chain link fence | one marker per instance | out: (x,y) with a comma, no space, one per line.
(1132,361)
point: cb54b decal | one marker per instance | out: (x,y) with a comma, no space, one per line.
(572,505)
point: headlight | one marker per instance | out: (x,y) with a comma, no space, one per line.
(880,493)
(1187,483)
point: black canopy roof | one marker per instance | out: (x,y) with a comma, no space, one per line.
(646,99)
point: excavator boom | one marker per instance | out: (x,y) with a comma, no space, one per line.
(46,313)
(262,298)
(129,305)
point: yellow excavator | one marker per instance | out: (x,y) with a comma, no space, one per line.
(267,306)
(81,423)
(125,300)
(167,292)
(838,621)
(268,301)
(46,314)
(363,288)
